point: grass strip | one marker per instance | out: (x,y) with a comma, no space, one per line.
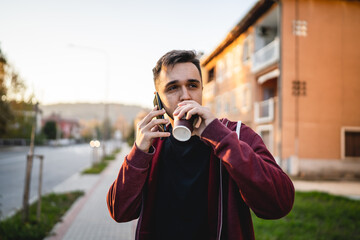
(112,156)
(315,215)
(53,207)
(109,157)
(97,168)
(117,150)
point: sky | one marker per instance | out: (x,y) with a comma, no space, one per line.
(103,51)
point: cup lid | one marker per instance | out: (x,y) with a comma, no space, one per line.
(181,133)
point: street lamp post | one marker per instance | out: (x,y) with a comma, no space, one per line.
(107,76)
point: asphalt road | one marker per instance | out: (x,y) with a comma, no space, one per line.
(60,163)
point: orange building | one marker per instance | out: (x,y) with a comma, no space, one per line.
(290,69)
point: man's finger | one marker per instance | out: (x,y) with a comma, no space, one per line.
(197,122)
(159,134)
(154,122)
(153,114)
(155,128)
(183,110)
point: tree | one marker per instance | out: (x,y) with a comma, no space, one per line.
(15,106)
(6,114)
(49,130)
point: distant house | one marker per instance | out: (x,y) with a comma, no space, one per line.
(70,128)
(290,69)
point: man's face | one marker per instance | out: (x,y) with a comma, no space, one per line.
(179,83)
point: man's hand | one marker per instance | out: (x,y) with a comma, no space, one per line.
(192,108)
(147,129)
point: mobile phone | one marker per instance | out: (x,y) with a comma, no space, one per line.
(157,102)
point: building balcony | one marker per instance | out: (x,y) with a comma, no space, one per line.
(264,111)
(266,56)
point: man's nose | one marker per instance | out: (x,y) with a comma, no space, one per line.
(185,94)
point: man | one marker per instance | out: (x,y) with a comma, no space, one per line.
(202,188)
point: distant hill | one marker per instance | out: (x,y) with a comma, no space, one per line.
(90,111)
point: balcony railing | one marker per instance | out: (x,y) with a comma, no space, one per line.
(264,111)
(266,56)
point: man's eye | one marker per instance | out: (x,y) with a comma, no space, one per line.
(193,85)
(171,88)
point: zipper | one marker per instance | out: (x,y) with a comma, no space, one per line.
(220,217)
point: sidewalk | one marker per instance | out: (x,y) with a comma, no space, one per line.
(343,188)
(89,218)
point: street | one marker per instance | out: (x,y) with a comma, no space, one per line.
(60,163)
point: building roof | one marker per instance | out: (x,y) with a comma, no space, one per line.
(259,8)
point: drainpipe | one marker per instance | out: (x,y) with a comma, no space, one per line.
(296,160)
(279,84)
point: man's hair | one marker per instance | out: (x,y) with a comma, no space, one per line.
(173,57)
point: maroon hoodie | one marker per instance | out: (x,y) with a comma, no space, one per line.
(242,174)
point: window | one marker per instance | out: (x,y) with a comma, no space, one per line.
(350,142)
(244,97)
(229,64)
(300,28)
(246,55)
(247,49)
(226,103)
(211,74)
(237,59)
(264,111)
(218,105)
(233,107)
(220,71)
